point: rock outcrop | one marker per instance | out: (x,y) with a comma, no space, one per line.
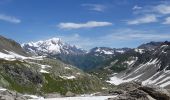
(135,91)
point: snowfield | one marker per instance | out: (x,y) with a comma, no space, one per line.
(79,98)
(11,56)
(160,79)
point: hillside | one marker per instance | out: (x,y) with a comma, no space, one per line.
(149,66)
(40,75)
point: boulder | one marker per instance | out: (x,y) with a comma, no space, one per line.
(69,94)
(155,93)
(52,95)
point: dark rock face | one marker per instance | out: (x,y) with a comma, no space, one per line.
(22,74)
(158,95)
(132,95)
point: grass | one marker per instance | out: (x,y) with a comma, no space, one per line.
(62,86)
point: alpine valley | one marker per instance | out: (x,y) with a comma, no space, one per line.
(52,69)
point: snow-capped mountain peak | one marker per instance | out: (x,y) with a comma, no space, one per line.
(51,46)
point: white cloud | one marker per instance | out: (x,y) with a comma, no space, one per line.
(136,7)
(9,19)
(90,24)
(142,20)
(167,21)
(136,36)
(157,12)
(95,7)
(130,34)
(162,8)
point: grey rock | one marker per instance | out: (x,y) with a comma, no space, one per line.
(52,95)
(7,97)
(69,94)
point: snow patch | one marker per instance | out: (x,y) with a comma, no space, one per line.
(11,56)
(140,51)
(120,51)
(80,98)
(2,89)
(43,67)
(67,68)
(68,77)
(116,81)
(34,97)
(43,71)
(107,52)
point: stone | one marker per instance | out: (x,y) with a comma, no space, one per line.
(52,95)
(69,94)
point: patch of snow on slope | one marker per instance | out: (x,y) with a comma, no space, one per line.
(67,68)
(130,62)
(43,67)
(107,52)
(140,51)
(146,64)
(164,46)
(6,56)
(2,89)
(43,71)
(11,56)
(34,97)
(68,77)
(80,98)
(164,80)
(120,51)
(150,81)
(116,81)
(165,84)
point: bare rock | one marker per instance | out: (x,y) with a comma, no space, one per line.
(52,95)
(69,94)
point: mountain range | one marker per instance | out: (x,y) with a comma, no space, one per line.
(54,66)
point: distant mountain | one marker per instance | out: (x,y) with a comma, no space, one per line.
(52,46)
(96,57)
(99,51)
(150,46)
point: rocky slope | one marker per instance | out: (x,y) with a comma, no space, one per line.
(135,91)
(10,45)
(149,66)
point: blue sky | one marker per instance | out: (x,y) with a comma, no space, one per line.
(86,23)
